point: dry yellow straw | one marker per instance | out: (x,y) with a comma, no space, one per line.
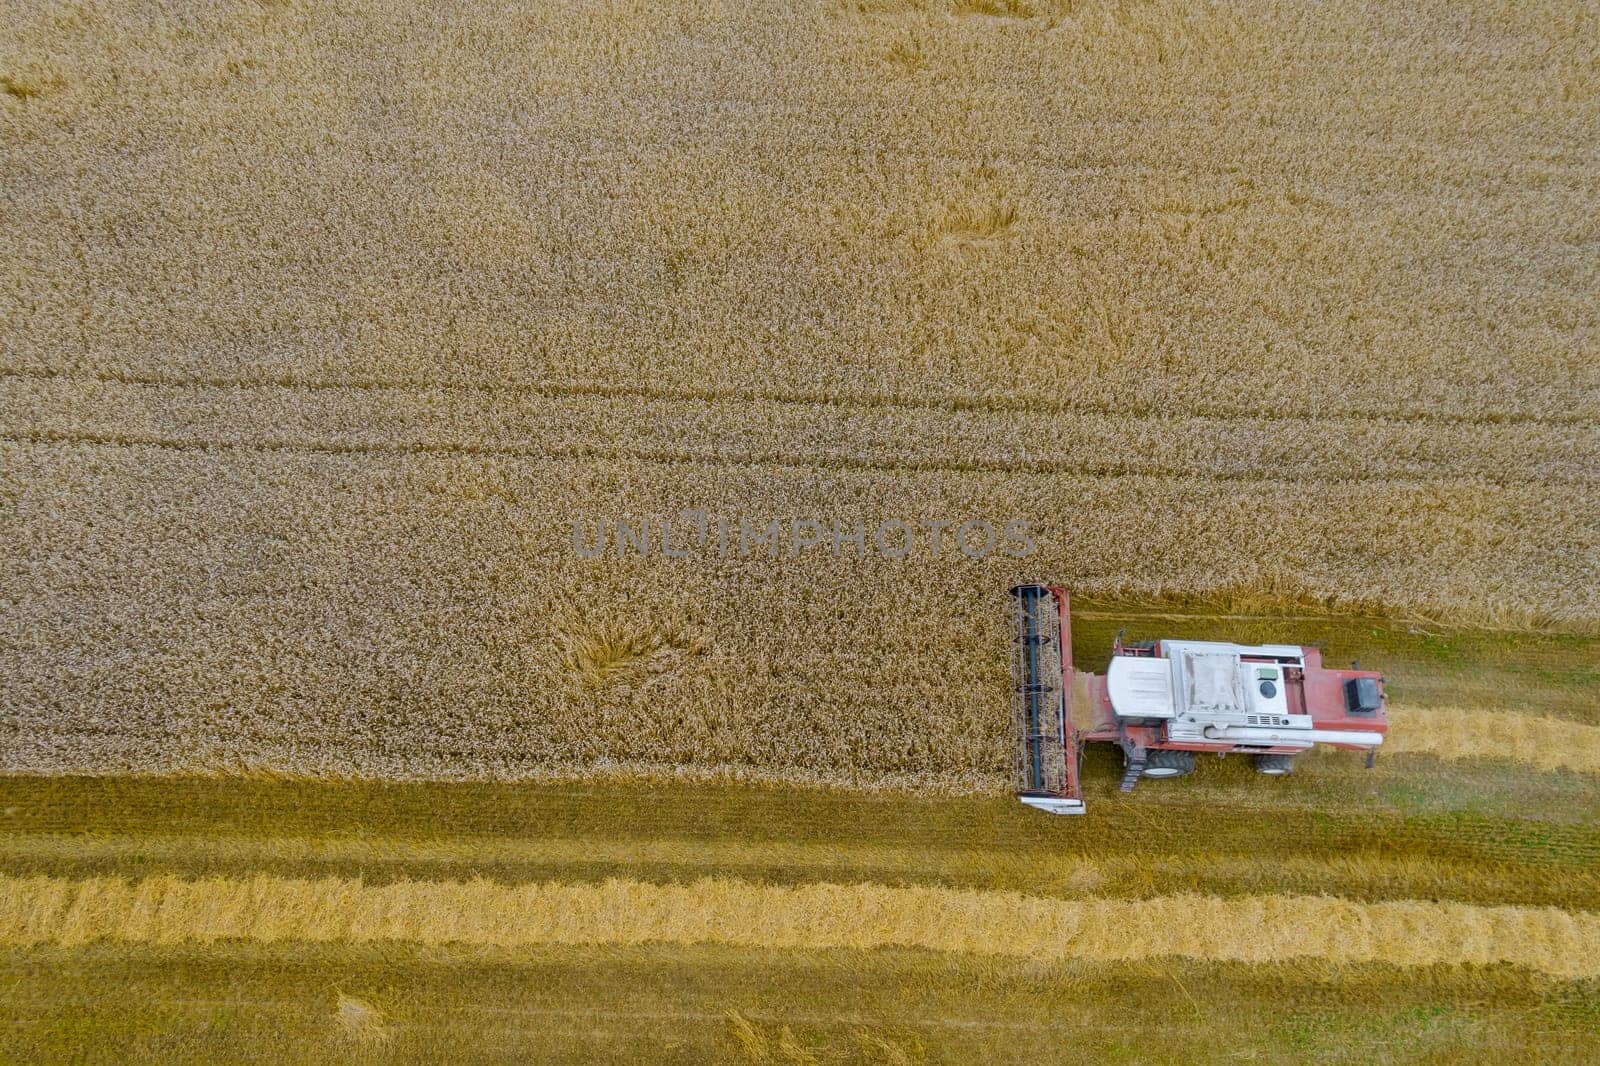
(1458,733)
(1266,928)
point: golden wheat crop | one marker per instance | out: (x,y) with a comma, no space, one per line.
(1154,205)
(1261,929)
(322,323)
(416,618)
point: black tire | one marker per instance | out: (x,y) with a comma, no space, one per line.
(1159,762)
(1274,765)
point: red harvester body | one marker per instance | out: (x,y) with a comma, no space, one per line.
(1163,701)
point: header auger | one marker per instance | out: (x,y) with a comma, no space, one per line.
(1162,701)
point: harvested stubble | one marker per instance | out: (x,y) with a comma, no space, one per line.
(1261,929)
(300,398)
(1369,875)
(287,849)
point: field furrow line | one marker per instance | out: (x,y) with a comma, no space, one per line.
(920,400)
(997,441)
(788,460)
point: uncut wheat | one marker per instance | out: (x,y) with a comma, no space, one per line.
(323,323)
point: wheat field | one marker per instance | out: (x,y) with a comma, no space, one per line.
(324,324)
(346,347)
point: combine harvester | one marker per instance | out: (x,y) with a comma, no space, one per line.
(1162,701)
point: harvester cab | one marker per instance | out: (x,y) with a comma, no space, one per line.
(1163,701)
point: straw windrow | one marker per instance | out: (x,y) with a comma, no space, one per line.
(1261,929)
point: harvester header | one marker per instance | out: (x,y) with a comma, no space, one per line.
(1163,701)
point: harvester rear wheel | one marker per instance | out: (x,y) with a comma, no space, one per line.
(1159,762)
(1275,765)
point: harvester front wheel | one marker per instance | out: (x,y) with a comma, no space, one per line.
(1275,765)
(1160,762)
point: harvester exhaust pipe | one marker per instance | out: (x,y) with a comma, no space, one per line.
(1303,738)
(1047,747)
